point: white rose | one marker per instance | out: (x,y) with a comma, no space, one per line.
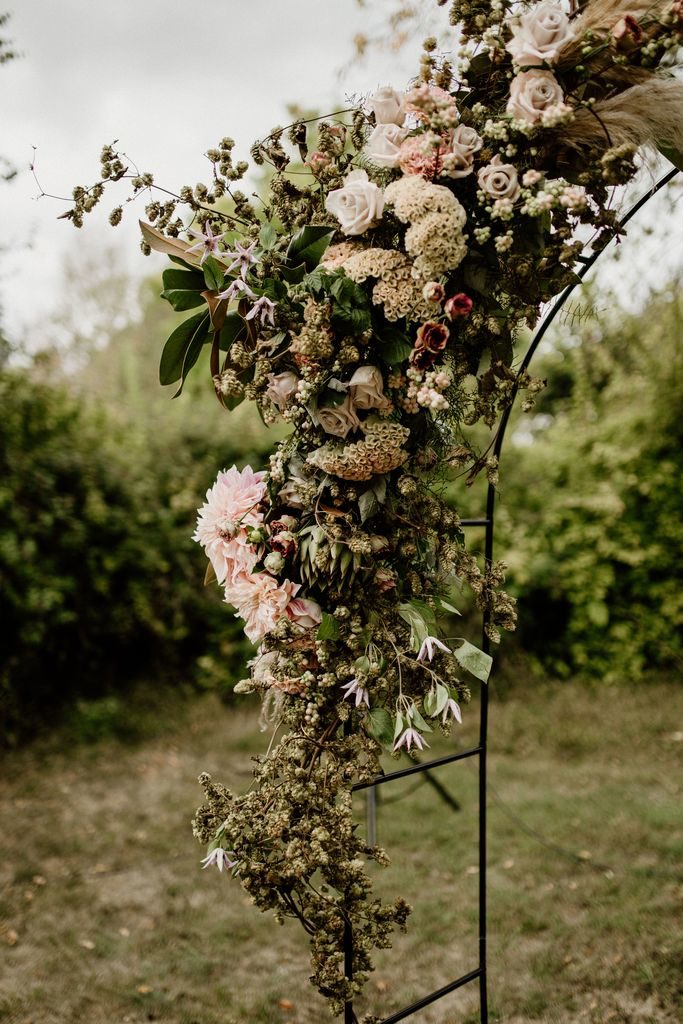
(384,145)
(540,34)
(388,106)
(458,162)
(499,180)
(366,388)
(338,419)
(281,387)
(533,92)
(358,205)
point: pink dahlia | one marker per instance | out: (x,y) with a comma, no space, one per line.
(261,601)
(231,506)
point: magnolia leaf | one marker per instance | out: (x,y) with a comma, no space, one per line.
(474,660)
(162,243)
(380,726)
(367,505)
(233,329)
(175,349)
(182,299)
(674,156)
(218,309)
(192,354)
(210,575)
(328,628)
(308,245)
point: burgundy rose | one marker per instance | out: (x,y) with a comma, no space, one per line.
(459,305)
(627,33)
(283,542)
(432,337)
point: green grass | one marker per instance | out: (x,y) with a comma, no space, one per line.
(107,917)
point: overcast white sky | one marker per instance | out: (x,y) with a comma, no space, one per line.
(168,78)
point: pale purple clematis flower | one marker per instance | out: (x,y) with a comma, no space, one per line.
(207,244)
(452,708)
(263,308)
(234,290)
(354,689)
(243,257)
(221,858)
(410,737)
(427,648)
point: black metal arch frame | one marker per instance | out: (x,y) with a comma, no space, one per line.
(478,973)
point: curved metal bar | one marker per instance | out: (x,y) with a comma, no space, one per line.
(587,264)
(489,522)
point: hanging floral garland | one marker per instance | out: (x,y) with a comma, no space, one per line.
(373,304)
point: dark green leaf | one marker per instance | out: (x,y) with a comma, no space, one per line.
(182,299)
(367,504)
(295,275)
(234,328)
(674,156)
(474,660)
(394,346)
(380,726)
(329,628)
(308,245)
(183,280)
(214,275)
(175,350)
(191,356)
(182,263)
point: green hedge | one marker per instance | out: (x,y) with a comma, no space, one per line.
(100,582)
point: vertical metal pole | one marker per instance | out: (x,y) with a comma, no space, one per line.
(371,795)
(349,1015)
(483,737)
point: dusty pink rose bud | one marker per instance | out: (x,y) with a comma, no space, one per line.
(317,161)
(284,542)
(627,33)
(433,291)
(457,306)
(385,579)
(281,387)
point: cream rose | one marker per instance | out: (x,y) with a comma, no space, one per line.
(388,106)
(366,388)
(338,420)
(384,145)
(459,161)
(539,35)
(532,93)
(499,180)
(281,387)
(358,205)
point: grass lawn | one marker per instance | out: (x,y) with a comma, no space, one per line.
(108,918)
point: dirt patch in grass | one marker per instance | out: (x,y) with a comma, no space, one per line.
(107,916)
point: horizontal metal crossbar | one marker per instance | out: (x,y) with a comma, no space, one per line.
(432,998)
(475,522)
(423,766)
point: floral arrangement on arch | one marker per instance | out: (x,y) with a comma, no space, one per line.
(373,304)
